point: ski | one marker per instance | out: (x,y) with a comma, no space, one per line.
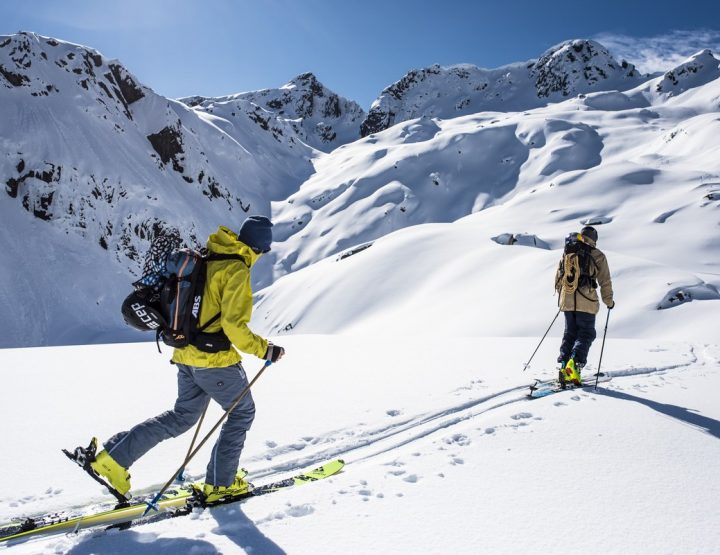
(174,503)
(548,387)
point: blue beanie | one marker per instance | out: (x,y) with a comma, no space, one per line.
(255,232)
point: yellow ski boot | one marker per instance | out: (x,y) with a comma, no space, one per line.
(570,374)
(116,475)
(212,493)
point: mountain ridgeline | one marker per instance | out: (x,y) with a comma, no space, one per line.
(571,68)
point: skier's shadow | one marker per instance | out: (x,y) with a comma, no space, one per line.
(139,543)
(704,423)
(232,523)
(236,526)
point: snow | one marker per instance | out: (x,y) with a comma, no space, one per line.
(411,280)
(638,154)
(444,451)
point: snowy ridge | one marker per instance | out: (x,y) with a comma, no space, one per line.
(318,116)
(698,70)
(568,69)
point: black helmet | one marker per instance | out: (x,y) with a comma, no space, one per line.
(142,314)
(589,232)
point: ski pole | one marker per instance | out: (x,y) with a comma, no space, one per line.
(153,503)
(180,477)
(543,339)
(597,376)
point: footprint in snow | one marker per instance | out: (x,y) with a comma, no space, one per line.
(560,404)
(393,412)
(300,510)
(270,444)
(521,416)
(293,511)
(395,463)
(458,439)
(412,478)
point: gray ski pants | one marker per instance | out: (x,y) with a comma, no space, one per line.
(196,386)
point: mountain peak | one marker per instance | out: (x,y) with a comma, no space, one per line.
(576,66)
(320,117)
(45,66)
(700,68)
(308,85)
(305,79)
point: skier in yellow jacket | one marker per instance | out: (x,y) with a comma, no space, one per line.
(203,376)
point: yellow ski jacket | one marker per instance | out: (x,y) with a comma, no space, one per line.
(228,291)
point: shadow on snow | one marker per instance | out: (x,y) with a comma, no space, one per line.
(232,523)
(688,416)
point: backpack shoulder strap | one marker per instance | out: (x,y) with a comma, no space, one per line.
(590,259)
(210,321)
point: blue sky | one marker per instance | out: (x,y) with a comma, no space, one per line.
(217,47)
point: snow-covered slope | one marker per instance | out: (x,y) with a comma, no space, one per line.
(568,69)
(321,118)
(643,161)
(94,164)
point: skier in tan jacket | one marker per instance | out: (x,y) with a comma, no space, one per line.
(576,281)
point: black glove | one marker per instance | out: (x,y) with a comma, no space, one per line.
(274,352)
(611,306)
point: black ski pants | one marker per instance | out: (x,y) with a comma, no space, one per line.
(579,335)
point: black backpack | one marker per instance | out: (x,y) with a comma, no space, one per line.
(168,297)
(575,268)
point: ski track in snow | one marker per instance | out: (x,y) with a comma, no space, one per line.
(367,444)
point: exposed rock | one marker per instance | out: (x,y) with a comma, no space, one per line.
(131,91)
(377,120)
(168,144)
(15,79)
